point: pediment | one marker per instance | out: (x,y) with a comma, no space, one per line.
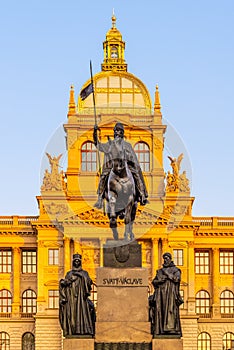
(93,216)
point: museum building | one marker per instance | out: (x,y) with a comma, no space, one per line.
(36,252)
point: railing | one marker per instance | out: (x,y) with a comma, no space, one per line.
(208,315)
(27,314)
(227,315)
(17,220)
(5,314)
(214,222)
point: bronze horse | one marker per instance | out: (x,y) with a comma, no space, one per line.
(121,193)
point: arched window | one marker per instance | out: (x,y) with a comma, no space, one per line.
(142,151)
(88,157)
(228,341)
(226,303)
(29,302)
(203,341)
(5,300)
(203,303)
(4,341)
(28,341)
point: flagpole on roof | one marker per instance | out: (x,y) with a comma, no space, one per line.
(95,116)
(94,103)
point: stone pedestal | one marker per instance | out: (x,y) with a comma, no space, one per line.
(78,344)
(122,306)
(167,344)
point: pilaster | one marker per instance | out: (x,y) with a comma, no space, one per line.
(215,283)
(16,283)
(191,279)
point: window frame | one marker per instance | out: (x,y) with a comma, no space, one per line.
(203,265)
(29,302)
(53,259)
(226,303)
(143,153)
(88,165)
(25,345)
(5,342)
(5,260)
(226,262)
(178,260)
(29,265)
(202,302)
(5,301)
(53,299)
(205,342)
(228,339)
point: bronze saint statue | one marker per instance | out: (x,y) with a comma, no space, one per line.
(76,310)
(165,302)
(121,182)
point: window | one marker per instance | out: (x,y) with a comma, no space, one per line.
(53,256)
(5,300)
(226,262)
(202,261)
(182,296)
(226,302)
(203,341)
(29,261)
(202,302)
(228,341)
(4,341)
(5,261)
(28,341)
(29,302)
(93,296)
(53,299)
(178,257)
(88,157)
(143,155)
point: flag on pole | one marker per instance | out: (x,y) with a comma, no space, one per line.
(86,91)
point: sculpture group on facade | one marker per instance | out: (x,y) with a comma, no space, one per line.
(175,180)
(164,303)
(121,182)
(53,180)
(76,310)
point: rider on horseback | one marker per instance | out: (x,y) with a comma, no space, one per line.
(132,162)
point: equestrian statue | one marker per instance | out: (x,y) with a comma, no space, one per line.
(121,182)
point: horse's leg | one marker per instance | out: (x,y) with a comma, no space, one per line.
(128,234)
(112,214)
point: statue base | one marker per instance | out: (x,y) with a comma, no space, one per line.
(78,343)
(167,343)
(122,254)
(122,305)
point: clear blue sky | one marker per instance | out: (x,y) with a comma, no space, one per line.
(187,47)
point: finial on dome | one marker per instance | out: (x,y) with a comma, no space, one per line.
(113,19)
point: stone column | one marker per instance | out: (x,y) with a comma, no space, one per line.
(102,242)
(215,282)
(191,278)
(67,254)
(155,257)
(16,283)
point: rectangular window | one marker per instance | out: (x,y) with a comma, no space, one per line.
(178,257)
(53,255)
(5,261)
(182,295)
(202,262)
(29,261)
(53,299)
(226,259)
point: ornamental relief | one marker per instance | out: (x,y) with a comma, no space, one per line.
(71,140)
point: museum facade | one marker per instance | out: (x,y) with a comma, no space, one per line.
(36,252)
